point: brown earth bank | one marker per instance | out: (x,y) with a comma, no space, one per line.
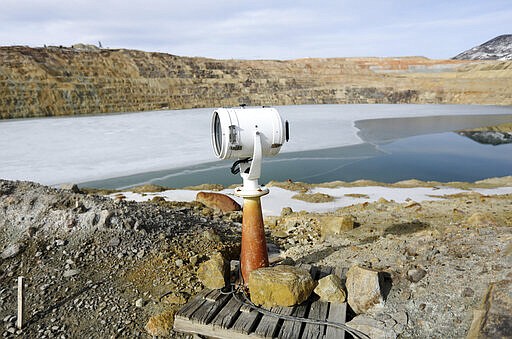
(99,267)
(54,81)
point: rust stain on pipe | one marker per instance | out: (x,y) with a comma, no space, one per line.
(254,246)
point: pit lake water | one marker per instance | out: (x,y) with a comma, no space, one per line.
(394,149)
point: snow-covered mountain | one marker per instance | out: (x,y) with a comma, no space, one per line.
(499,48)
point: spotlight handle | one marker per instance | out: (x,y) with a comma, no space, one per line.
(251,172)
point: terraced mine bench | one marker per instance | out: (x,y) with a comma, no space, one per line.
(215,314)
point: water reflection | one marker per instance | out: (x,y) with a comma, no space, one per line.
(396,149)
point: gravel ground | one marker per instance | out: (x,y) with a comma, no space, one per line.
(100,268)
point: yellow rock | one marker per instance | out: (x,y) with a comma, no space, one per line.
(330,289)
(214,272)
(481,220)
(280,285)
(335,225)
(161,324)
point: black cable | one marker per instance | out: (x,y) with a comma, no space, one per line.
(235,168)
(355,333)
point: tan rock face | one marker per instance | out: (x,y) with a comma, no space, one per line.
(218,201)
(363,289)
(54,81)
(214,272)
(280,286)
(330,289)
(335,225)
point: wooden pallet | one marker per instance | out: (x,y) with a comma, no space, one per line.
(218,315)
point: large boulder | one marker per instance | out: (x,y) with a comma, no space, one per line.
(214,273)
(218,201)
(330,289)
(363,289)
(280,285)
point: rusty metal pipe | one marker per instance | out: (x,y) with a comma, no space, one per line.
(254,246)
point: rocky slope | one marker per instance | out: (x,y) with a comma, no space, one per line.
(99,267)
(499,48)
(54,81)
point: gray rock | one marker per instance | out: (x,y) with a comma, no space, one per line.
(71,187)
(286,211)
(416,274)
(401,318)
(333,226)
(467,292)
(114,242)
(139,303)
(11,250)
(70,273)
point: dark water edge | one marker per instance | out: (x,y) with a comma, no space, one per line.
(395,149)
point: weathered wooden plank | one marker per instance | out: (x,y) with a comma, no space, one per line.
(186,326)
(268,326)
(214,314)
(291,329)
(227,315)
(214,295)
(187,310)
(317,311)
(246,322)
(210,308)
(337,314)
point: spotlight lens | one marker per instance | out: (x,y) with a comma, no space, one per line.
(217,131)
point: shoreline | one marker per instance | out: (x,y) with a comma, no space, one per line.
(338,194)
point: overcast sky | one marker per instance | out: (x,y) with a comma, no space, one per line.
(260,29)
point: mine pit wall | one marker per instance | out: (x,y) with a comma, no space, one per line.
(53,81)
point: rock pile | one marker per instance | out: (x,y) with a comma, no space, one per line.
(426,265)
(96,267)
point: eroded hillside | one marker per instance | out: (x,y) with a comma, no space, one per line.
(65,81)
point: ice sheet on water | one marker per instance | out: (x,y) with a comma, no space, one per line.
(78,149)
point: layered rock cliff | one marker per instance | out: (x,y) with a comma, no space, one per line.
(56,81)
